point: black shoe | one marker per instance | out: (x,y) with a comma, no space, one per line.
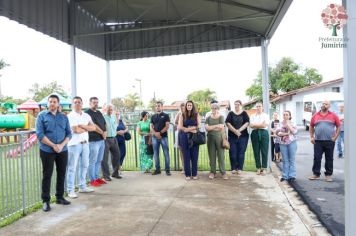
(168,173)
(291,180)
(46,206)
(107,178)
(156,172)
(283,179)
(116,176)
(62,201)
(340,155)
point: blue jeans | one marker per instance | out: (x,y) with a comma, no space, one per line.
(237,152)
(340,142)
(288,154)
(77,153)
(95,157)
(156,143)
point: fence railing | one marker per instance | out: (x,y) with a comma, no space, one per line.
(21,168)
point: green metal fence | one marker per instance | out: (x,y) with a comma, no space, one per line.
(21,168)
(132,154)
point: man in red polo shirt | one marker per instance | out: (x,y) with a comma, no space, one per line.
(324,130)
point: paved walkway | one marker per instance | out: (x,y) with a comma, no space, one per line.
(142,204)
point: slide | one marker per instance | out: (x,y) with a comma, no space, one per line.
(27,144)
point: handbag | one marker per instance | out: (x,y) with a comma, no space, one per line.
(224,142)
(127,136)
(149,149)
(199,138)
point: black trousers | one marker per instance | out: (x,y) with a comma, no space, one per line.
(321,147)
(48,160)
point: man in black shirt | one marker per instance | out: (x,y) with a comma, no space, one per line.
(159,126)
(96,143)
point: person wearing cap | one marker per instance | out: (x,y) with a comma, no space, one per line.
(78,148)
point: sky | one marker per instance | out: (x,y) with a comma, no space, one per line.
(37,58)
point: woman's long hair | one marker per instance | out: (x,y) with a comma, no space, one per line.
(143,114)
(193,114)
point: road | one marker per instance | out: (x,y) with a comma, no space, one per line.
(326,199)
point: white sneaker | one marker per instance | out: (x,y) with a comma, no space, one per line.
(72,195)
(239,172)
(86,190)
(233,172)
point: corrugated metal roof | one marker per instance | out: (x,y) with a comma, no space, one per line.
(148,28)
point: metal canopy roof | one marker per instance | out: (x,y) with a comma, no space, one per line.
(122,29)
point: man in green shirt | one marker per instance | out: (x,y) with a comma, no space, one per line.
(111,145)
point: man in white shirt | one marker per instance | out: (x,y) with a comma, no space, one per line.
(78,147)
(260,138)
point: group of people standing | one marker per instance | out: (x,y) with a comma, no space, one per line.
(80,138)
(87,138)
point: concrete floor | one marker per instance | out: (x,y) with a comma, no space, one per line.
(141,204)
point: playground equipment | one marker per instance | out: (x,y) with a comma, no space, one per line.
(22,121)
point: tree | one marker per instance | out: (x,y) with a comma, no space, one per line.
(131,101)
(334,17)
(152,103)
(118,103)
(284,77)
(40,92)
(8,100)
(3,64)
(202,99)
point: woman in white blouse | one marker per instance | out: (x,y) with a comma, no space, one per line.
(260,138)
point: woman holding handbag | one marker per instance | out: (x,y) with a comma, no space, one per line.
(189,124)
(145,145)
(214,125)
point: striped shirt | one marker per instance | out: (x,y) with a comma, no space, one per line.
(325,125)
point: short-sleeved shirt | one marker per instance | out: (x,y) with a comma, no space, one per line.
(237,121)
(111,122)
(258,119)
(55,127)
(99,120)
(325,125)
(211,121)
(159,122)
(76,119)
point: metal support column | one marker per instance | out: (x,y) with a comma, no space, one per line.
(73,66)
(265,87)
(350,117)
(108,83)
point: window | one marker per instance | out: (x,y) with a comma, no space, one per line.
(335,89)
(307,107)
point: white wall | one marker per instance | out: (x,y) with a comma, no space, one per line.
(291,105)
